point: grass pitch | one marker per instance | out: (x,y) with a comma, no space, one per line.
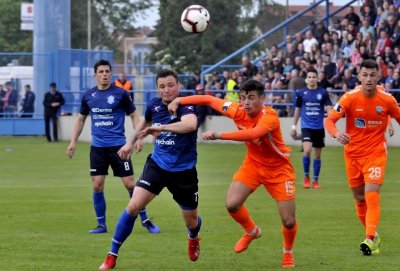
(46,211)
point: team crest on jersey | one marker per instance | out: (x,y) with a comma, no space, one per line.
(379,109)
(359,123)
(225,106)
(110,99)
(319,96)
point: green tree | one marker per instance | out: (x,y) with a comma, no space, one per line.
(12,38)
(110,20)
(186,52)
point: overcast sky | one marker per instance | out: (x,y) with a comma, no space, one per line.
(153,16)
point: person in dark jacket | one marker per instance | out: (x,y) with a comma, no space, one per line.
(52,102)
(28,104)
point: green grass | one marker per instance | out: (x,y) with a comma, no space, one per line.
(46,211)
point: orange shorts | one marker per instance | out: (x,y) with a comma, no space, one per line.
(279,182)
(365,170)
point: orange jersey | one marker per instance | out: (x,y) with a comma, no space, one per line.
(261,134)
(366,121)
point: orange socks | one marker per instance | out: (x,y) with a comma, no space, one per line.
(373,213)
(243,218)
(361,209)
(288,237)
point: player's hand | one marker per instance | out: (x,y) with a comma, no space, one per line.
(173,106)
(71,150)
(342,138)
(390,130)
(154,131)
(293,134)
(210,135)
(138,145)
(125,151)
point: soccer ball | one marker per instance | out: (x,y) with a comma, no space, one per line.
(195,19)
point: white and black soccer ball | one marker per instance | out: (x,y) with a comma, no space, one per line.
(195,19)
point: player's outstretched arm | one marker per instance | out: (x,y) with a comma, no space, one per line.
(76,132)
(245,135)
(206,100)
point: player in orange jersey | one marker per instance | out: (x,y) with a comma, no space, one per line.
(266,163)
(367,110)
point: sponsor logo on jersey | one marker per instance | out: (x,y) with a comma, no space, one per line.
(374,123)
(359,109)
(190,107)
(359,123)
(110,99)
(337,107)
(226,105)
(101,110)
(103,123)
(165,142)
(379,109)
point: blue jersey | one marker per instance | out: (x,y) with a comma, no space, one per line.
(172,152)
(311,103)
(107,109)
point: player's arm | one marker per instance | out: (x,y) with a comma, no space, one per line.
(330,124)
(296,117)
(76,132)
(241,135)
(207,100)
(187,124)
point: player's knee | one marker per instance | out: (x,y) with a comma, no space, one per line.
(289,222)
(133,210)
(232,207)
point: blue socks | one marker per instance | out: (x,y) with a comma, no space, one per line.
(123,230)
(194,232)
(142,213)
(100,207)
(306,166)
(317,168)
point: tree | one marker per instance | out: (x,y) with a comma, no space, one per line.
(111,20)
(186,52)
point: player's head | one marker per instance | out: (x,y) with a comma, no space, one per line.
(312,78)
(252,96)
(369,76)
(102,72)
(167,85)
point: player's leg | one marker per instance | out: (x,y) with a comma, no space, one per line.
(289,229)
(98,171)
(141,197)
(183,186)
(318,142)
(237,194)
(306,136)
(99,204)
(316,167)
(124,169)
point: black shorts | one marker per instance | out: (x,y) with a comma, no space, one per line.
(103,157)
(181,184)
(316,136)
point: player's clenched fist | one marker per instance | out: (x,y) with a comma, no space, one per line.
(211,135)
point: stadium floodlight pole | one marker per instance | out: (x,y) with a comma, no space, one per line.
(89,28)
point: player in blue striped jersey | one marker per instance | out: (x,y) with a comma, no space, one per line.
(107,105)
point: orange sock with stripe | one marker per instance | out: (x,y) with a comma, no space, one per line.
(243,218)
(289,236)
(361,209)
(373,213)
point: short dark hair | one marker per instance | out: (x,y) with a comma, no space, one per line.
(313,70)
(102,62)
(165,73)
(251,85)
(369,64)
(52,84)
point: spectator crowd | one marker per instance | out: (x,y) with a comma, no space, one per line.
(336,52)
